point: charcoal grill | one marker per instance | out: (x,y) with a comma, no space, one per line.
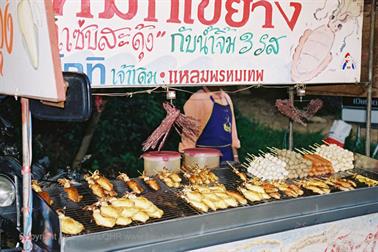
(182,224)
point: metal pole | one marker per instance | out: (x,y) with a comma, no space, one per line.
(27,200)
(291,124)
(371,78)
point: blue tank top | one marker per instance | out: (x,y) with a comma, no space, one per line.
(218,131)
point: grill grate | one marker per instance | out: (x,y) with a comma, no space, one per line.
(166,199)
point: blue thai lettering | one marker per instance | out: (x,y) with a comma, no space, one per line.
(189,41)
(247,39)
(274,47)
(181,30)
(212,40)
(230,48)
(91,68)
(129,75)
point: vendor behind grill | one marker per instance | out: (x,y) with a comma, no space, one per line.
(213,109)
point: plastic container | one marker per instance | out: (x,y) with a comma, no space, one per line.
(203,157)
(155,161)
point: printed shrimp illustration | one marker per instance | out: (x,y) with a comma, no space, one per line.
(29,31)
(313,52)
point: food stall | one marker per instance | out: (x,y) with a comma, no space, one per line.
(279,200)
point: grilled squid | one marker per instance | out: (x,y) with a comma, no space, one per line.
(175,177)
(196,204)
(132,184)
(72,192)
(100,186)
(110,211)
(154,212)
(141,202)
(121,202)
(250,195)
(238,197)
(140,216)
(123,221)
(129,211)
(102,181)
(102,220)
(151,182)
(69,225)
(44,195)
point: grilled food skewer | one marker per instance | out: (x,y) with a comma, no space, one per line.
(72,192)
(131,183)
(151,182)
(68,225)
(241,175)
(43,194)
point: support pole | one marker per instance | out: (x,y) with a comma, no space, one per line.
(27,198)
(291,123)
(371,78)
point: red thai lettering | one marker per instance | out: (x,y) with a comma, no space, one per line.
(172,76)
(175,12)
(222,75)
(85,9)
(111,9)
(238,75)
(184,76)
(174,16)
(231,11)
(216,15)
(236,12)
(214,76)
(294,18)
(205,76)
(188,12)
(230,76)
(58,7)
(151,11)
(268,12)
(260,75)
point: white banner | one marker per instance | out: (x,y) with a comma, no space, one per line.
(133,43)
(29,57)
(358,234)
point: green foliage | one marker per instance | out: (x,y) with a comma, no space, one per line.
(124,125)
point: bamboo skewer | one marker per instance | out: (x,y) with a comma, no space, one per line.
(273,150)
(244,165)
(307,151)
(251,155)
(300,151)
(325,142)
(232,167)
(312,147)
(262,152)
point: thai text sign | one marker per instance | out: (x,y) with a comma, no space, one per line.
(29,56)
(224,42)
(357,234)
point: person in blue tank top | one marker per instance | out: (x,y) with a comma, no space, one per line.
(213,109)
